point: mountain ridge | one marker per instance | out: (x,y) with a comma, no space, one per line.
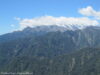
(45,53)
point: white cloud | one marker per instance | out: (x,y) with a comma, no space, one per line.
(61,21)
(50,20)
(89,11)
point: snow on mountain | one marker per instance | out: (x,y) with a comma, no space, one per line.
(53,28)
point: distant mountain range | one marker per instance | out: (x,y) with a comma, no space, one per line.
(52,50)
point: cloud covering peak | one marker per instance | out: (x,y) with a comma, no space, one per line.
(62,21)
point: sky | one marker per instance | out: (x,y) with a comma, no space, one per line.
(18,14)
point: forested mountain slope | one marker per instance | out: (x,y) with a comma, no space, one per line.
(52,51)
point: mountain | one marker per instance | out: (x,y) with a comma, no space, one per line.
(39,30)
(82,62)
(45,50)
(35,31)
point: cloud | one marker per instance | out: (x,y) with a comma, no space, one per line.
(60,21)
(89,11)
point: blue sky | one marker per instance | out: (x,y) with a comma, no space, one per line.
(11,9)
